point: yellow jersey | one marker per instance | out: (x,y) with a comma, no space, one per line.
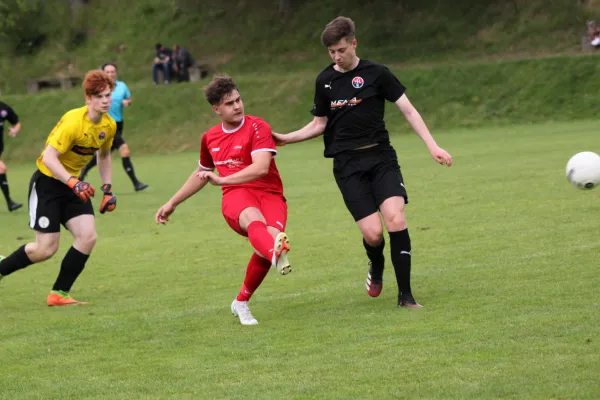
(77,138)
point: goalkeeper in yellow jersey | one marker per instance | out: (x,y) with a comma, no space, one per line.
(57,197)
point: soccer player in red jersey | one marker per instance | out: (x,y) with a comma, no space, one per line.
(241,148)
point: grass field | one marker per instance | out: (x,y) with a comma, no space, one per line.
(504,259)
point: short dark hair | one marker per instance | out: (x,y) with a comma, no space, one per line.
(338,29)
(219,88)
(107,64)
(158,46)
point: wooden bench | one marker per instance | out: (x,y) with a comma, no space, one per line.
(53,83)
(200,70)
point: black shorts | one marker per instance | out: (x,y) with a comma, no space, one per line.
(367,177)
(1,144)
(52,203)
(118,141)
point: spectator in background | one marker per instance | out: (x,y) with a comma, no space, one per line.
(183,62)
(163,61)
(593,33)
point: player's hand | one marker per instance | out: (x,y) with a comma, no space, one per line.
(163,213)
(279,139)
(82,189)
(12,132)
(441,156)
(126,102)
(109,200)
(214,179)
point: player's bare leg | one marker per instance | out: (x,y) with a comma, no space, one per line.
(44,247)
(128,167)
(372,231)
(83,228)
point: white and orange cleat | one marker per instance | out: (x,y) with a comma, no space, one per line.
(280,250)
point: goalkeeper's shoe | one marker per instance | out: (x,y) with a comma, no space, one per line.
(374,282)
(408,301)
(241,310)
(1,258)
(60,298)
(281,248)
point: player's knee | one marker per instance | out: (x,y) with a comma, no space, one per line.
(88,239)
(124,151)
(395,222)
(42,251)
(373,234)
(2,167)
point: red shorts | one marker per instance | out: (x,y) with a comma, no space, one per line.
(272,206)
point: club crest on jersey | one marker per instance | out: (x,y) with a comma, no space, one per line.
(102,135)
(358,82)
(3,113)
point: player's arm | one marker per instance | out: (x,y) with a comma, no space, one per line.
(14,121)
(109,200)
(51,161)
(313,129)
(416,122)
(127,100)
(192,186)
(104,165)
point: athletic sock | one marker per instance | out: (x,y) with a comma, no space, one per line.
(258,268)
(401,258)
(16,261)
(70,268)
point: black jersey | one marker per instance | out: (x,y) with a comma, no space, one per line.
(7,114)
(354,102)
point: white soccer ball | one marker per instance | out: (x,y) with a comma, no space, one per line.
(583,170)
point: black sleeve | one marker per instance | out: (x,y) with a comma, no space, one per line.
(321,104)
(11,115)
(389,86)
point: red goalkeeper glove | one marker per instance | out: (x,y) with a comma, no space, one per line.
(83,190)
(109,201)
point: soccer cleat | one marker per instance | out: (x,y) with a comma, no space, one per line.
(280,250)
(241,310)
(1,258)
(408,301)
(374,282)
(60,298)
(139,186)
(12,206)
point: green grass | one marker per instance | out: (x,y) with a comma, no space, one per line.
(505,255)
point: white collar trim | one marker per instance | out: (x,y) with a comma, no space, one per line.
(235,129)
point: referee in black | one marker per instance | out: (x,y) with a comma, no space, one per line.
(7,114)
(348,111)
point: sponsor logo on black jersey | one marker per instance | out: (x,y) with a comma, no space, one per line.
(335,104)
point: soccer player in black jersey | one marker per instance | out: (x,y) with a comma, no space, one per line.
(348,111)
(7,114)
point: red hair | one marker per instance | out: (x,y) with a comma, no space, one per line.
(96,82)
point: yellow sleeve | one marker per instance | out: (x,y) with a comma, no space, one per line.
(64,133)
(108,144)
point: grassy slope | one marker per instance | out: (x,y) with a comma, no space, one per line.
(171,118)
(252,35)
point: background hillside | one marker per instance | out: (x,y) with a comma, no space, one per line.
(250,36)
(465,64)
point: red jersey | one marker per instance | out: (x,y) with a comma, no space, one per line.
(231,151)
